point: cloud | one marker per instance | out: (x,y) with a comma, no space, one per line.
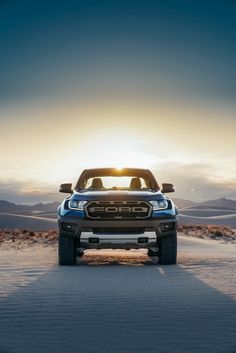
(195,181)
(28,192)
(192,181)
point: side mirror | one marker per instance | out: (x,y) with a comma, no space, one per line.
(166,187)
(66,188)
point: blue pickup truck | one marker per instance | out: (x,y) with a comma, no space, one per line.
(113,208)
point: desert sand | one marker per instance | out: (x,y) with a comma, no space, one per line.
(119,301)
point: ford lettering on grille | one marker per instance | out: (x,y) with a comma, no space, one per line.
(118,209)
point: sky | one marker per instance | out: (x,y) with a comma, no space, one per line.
(140,83)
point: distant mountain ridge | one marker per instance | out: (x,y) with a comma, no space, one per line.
(223,203)
(6,206)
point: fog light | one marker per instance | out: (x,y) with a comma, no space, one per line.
(165,227)
(69,227)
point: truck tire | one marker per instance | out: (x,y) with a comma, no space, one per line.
(167,245)
(66,250)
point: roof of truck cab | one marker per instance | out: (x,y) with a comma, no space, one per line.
(116,170)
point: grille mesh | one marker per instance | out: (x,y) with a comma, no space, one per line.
(118,209)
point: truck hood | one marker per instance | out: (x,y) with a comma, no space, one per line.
(117,195)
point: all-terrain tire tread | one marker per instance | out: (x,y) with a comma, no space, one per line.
(167,245)
(66,250)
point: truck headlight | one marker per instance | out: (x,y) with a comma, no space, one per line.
(159,205)
(76,205)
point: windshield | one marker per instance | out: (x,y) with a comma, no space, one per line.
(117,183)
(116,179)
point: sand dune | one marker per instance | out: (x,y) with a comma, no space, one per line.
(206,212)
(13,221)
(224,220)
(208,215)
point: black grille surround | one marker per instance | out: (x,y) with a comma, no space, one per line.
(118,209)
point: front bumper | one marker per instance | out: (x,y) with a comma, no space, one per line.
(77,226)
(118,241)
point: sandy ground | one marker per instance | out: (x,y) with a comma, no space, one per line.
(119,301)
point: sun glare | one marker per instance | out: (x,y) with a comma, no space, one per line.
(116,151)
(113,150)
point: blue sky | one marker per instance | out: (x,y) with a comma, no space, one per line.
(55,47)
(133,67)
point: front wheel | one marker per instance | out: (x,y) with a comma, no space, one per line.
(66,250)
(167,245)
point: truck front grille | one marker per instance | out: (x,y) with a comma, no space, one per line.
(118,209)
